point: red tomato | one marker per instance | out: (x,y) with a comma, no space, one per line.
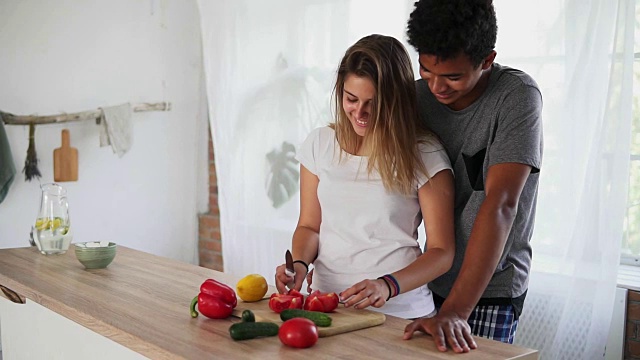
(279,302)
(298,333)
(324,302)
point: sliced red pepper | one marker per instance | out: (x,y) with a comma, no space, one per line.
(296,293)
(329,301)
(324,302)
(279,302)
(296,303)
(313,304)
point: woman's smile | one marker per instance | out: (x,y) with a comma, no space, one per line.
(357,101)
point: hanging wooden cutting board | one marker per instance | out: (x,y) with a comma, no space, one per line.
(342,319)
(65,160)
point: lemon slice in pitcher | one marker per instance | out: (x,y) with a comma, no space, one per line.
(55,223)
(42,224)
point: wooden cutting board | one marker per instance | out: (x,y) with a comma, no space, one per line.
(65,160)
(342,319)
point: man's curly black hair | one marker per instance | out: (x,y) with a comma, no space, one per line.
(445,28)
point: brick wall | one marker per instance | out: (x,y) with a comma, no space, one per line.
(209,239)
(632,333)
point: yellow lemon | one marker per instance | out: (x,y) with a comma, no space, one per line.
(252,287)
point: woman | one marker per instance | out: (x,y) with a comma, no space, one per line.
(366,183)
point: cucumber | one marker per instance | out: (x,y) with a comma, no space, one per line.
(319,318)
(251,330)
(248,316)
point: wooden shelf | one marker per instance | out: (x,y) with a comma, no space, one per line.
(11,119)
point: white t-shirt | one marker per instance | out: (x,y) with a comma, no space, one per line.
(366,232)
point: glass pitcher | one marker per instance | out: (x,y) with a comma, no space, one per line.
(52,231)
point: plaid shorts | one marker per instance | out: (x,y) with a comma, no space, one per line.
(495,322)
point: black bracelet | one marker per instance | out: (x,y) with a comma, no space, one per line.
(393,282)
(303,263)
(388,286)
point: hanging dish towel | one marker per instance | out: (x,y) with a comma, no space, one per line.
(116,128)
(7,166)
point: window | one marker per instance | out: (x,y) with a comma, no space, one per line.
(631,239)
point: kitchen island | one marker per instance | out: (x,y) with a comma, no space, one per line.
(138,307)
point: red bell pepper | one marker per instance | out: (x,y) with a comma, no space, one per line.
(216,300)
(219,290)
(296,293)
(323,302)
(279,302)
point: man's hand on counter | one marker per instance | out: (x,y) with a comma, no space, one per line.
(446,328)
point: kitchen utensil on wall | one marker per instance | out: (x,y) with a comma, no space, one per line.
(65,160)
(52,230)
(30,169)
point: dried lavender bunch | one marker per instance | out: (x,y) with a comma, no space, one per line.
(31,163)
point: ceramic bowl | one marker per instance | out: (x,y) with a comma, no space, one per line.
(95,254)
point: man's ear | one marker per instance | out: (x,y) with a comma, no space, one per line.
(486,63)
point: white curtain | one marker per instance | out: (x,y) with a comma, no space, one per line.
(580,52)
(269,69)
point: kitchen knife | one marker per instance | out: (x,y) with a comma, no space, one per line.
(288,258)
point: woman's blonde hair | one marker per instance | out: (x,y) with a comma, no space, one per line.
(393,129)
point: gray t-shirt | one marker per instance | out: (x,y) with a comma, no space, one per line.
(503,125)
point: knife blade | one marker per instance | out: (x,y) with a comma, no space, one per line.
(289,270)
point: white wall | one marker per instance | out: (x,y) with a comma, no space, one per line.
(76,55)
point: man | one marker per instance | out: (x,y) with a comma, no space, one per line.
(489,118)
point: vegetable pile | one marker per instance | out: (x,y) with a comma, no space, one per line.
(301,316)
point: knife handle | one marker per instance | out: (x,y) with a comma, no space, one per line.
(292,275)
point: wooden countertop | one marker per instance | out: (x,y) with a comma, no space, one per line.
(142,302)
